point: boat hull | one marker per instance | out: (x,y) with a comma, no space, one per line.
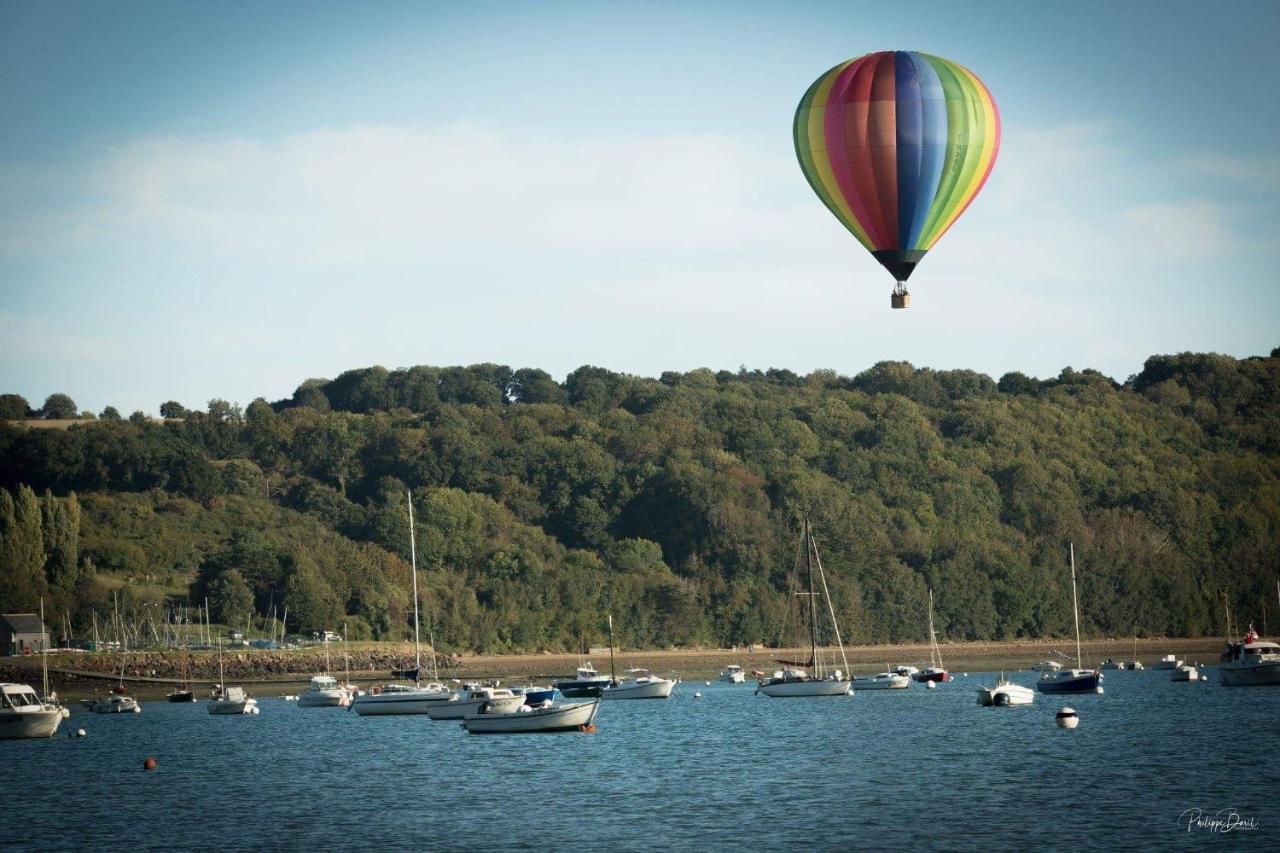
(182,696)
(385,704)
(1081,682)
(930,676)
(792,689)
(116,705)
(1257,675)
(536,696)
(582,689)
(461,708)
(323,699)
(233,709)
(898,682)
(566,718)
(1005,696)
(25,724)
(649,690)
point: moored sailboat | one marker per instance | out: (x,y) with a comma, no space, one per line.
(417,698)
(935,671)
(813,677)
(1072,680)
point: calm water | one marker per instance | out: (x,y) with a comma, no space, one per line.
(898,769)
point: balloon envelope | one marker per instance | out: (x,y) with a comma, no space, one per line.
(897,144)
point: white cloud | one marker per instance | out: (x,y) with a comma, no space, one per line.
(1190,231)
(387,194)
(1257,173)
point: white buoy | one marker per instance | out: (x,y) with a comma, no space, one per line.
(965,674)
(931,685)
(697,696)
(79,732)
(1098,690)
(1067,718)
(707,683)
(137,709)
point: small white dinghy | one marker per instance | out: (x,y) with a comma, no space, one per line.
(1184,672)
(1004,694)
(573,717)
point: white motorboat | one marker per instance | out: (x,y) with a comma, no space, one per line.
(573,717)
(882,681)
(324,692)
(401,699)
(1005,693)
(112,705)
(233,700)
(733,674)
(587,682)
(1167,662)
(1184,672)
(1112,663)
(23,715)
(478,700)
(1134,666)
(1047,666)
(641,684)
(814,677)
(1252,662)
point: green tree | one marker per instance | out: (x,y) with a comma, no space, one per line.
(231,598)
(172,409)
(110,413)
(58,407)
(14,407)
(22,554)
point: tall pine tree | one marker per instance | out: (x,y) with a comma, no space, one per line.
(22,555)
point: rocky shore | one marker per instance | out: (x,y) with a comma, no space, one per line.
(370,662)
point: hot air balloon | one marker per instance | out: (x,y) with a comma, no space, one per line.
(897,144)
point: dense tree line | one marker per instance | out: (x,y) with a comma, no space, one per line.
(674,502)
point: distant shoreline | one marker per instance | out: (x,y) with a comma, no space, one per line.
(149,674)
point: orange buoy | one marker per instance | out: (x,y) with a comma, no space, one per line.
(149,764)
(589,729)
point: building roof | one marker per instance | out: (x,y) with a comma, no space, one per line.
(22,623)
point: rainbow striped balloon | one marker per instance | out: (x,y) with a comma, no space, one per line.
(897,144)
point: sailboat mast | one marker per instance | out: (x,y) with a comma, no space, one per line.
(613,678)
(1075,604)
(937,649)
(813,611)
(835,626)
(44,652)
(413,559)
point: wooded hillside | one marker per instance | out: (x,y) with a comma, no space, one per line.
(673,502)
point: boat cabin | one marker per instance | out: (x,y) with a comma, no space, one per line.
(18,696)
(1251,652)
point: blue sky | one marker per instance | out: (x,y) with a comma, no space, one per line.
(224,199)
